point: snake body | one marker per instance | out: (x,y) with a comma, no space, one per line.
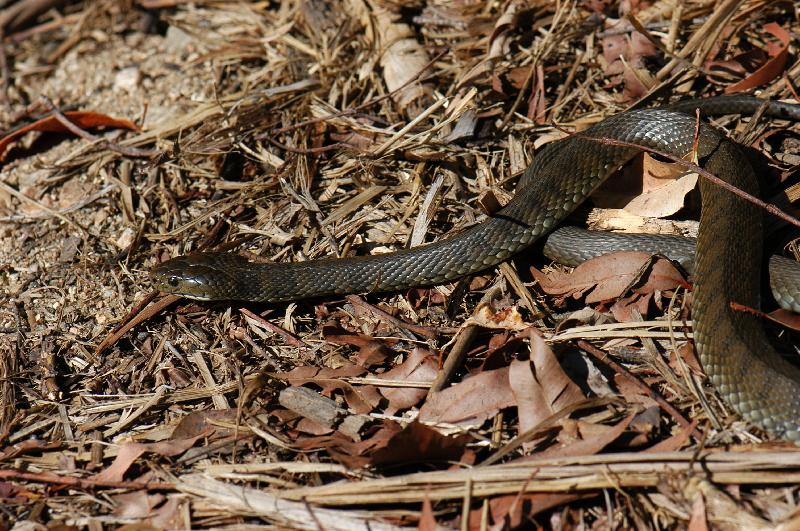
(761,385)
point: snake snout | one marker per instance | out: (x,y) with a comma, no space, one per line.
(193,277)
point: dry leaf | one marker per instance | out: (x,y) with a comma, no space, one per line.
(540,386)
(130,452)
(771,69)
(507,318)
(420,366)
(418,443)
(624,54)
(472,401)
(49,124)
(698,521)
(647,187)
(362,399)
(427,521)
(511,511)
(607,277)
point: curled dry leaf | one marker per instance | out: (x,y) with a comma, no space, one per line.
(647,187)
(540,386)
(200,422)
(362,399)
(472,401)
(507,318)
(771,65)
(625,55)
(512,511)
(151,510)
(688,357)
(498,47)
(130,452)
(417,443)
(49,124)
(582,438)
(420,366)
(785,318)
(403,59)
(427,520)
(354,454)
(371,351)
(608,277)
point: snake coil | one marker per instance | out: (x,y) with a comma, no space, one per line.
(761,385)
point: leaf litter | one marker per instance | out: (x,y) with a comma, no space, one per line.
(309,129)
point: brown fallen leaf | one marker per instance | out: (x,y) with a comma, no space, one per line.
(471,401)
(624,55)
(627,308)
(403,58)
(675,442)
(785,318)
(728,71)
(698,520)
(130,452)
(200,422)
(151,511)
(607,277)
(539,385)
(27,446)
(508,318)
(371,351)
(512,511)
(353,454)
(688,356)
(420,366)
(362,399)
(417,443)
(647,187)
(773,67)
(49,124)
(632,393)
(582,438)
(136,504)
(427,520)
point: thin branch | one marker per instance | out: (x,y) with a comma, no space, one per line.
(127,151)
(769,207)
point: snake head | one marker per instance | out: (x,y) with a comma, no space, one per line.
(200,276)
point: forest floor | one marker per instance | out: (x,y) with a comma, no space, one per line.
(527,395)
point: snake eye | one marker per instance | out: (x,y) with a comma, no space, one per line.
(173,281)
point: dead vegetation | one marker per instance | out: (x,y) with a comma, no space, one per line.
(521,397)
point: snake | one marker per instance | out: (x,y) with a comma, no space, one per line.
(748,373)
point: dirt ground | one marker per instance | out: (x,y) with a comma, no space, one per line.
(299,130)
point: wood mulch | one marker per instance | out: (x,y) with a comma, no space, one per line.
(525,396)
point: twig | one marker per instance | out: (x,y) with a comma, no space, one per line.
(25,199)
(424,331)
(355,109)
(622,371)
(47,477)
(285,334)
(135,320)
(455,358)
(769,207)
(127,151)
(305,151)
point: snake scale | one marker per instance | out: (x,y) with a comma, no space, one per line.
(757,381)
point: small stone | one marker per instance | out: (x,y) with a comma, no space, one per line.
(128,79)
(126,238)
(176,39)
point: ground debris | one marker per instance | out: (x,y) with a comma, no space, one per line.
(304,129)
